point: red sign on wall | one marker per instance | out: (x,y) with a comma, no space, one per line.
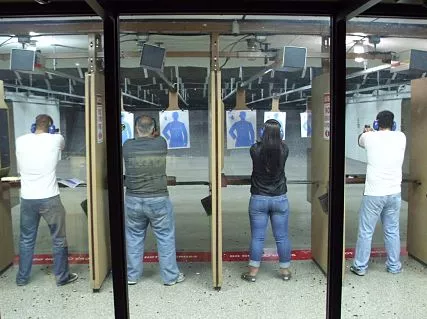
(326,116)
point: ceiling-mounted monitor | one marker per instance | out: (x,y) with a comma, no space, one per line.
(292,59)
(152,57)
(22,60)
(411,62)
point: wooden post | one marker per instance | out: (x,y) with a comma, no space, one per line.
(417,197)
(275,105)
(216,153)
(241,99)
(319,173)
(173,101)
(6,234)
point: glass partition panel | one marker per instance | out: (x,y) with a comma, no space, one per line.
(49,231)
(273,222)
(385,196)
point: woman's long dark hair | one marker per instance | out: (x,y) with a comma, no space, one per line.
(271,146)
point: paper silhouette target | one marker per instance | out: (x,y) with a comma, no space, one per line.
(241,129)
(279,117)
(127,120)
(174,127)
(305,124)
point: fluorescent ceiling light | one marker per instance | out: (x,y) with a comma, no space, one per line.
(358,48)
(44,41)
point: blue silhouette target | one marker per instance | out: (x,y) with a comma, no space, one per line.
(127,120)
(305,124)
(174,127)
(240,129)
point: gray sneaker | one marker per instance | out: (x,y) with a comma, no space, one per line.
(357,271)
(71,278)
(181,278)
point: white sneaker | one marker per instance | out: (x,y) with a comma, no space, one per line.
(181,278)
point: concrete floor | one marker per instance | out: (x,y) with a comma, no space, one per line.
(378,295)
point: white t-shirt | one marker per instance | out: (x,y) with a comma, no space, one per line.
(385,151)
(37,156)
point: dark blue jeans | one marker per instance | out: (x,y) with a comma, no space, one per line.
(261,208)
(53,212)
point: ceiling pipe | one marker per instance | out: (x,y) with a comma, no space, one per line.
(307,87)
(28,88)
(254,77)
(139,99)
(171,86)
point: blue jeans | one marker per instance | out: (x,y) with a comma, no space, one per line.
(372,208)
(53,212)
(260,209)
(158,212)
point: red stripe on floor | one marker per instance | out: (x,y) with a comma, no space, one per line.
(229,256)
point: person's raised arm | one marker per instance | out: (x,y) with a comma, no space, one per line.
(361,140)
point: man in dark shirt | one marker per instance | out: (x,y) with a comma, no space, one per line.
(147,202)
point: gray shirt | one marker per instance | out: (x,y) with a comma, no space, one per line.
(145,164)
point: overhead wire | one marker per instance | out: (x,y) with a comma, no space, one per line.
(233,44)
(6,41)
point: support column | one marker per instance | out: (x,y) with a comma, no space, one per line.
(216,137)
(319,171)
(337,171)
(114,163)
(417,194)
(96,145)
(6,233)
(5,156)
(325,48)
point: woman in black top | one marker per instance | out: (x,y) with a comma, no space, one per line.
(268,199)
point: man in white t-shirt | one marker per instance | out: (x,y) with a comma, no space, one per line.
(385,149)
(37,155)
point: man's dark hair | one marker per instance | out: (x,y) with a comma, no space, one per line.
(43,121)
(145,124)
(385,119)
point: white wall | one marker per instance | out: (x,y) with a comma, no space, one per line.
(25,110)
(363,111)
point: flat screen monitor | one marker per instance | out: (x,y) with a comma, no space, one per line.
(293,59)
(152,57)
(22,60)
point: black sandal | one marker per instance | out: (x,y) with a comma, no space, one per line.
(248,277)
